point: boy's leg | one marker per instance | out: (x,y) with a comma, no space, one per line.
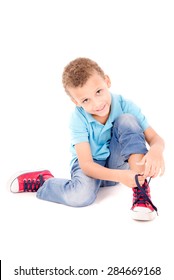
(80,191)
(127,147)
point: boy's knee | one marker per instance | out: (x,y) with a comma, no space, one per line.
(80,198)
(82,192)
(128,122)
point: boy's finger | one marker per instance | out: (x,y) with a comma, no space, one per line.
(147,171)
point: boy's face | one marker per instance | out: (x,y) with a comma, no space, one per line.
(94,97)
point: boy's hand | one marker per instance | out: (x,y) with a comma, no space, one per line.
(127,177)
(153,163)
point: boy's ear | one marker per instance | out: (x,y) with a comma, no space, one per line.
(108,81)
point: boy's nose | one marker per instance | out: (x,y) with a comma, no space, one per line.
(96,105)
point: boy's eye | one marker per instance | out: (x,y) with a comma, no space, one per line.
(98,92)
(85,100)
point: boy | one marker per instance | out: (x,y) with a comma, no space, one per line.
(109,136)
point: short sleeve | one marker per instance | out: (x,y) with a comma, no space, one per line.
(78,128)
(129,107)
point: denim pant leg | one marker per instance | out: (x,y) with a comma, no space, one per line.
(80,191)
(127,138)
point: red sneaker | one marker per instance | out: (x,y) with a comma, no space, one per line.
(142,209)
(29,181)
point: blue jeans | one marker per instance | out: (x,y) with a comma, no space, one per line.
(81,190)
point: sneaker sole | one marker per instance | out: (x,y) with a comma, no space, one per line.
(14,176)
(142,216)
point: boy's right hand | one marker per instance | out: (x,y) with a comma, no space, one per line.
(127,177)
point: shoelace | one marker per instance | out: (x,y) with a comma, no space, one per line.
(33,185)
(142,196)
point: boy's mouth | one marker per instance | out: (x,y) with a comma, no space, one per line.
(101,109)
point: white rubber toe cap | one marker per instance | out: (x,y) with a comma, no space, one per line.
(143,214)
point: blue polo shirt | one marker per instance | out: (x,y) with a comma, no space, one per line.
(84,128)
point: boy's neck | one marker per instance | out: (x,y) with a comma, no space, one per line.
(102,120)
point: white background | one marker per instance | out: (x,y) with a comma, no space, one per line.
(133,42)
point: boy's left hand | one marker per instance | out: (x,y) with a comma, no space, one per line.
(153,163)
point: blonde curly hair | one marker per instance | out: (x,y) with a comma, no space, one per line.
(78,71)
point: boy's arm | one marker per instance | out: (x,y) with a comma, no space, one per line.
(153,160)
(95,170)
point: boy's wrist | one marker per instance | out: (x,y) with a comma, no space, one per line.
(119,175)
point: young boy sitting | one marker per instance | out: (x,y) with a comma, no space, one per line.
(108,144)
